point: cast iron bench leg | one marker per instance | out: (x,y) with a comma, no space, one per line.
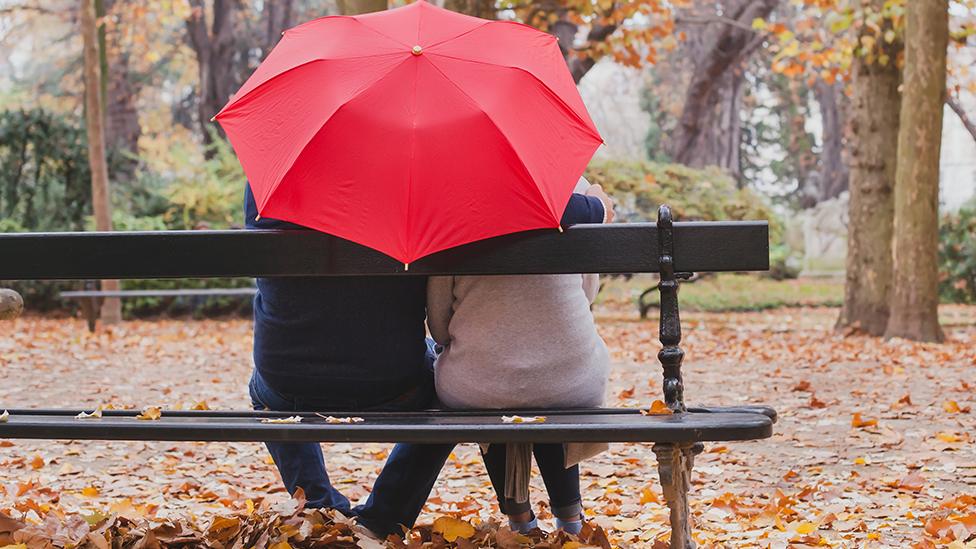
(89,307)
(674,464)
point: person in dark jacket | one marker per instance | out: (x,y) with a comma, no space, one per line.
(356,344)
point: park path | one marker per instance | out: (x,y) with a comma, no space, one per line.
(874,447)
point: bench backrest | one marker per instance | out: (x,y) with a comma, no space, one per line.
(622,248)
(665,247)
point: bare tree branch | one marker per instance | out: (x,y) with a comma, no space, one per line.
(708,19)
(962,114)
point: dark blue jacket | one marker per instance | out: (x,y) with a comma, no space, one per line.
(357,339)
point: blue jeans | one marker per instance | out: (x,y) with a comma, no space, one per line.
(401,489)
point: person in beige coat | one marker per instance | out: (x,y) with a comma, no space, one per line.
(522,342)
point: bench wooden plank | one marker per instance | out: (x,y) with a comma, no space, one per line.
(619,248)
(190,292)
(419,427)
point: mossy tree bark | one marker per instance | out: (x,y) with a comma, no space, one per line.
(95,122)
(915,299)
(873,152)
(355,7)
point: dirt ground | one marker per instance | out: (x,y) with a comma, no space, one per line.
(874,445)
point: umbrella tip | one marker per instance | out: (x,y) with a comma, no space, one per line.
(561,229)
(213,118)
(406,266)
(257,217)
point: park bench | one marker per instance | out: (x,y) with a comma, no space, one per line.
(91,298)
(665,247)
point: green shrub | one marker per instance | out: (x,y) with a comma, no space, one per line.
(957,257)
(693,194)
(207,193)
(44,177)
(196,306)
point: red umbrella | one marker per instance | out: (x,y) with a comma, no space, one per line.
(412,130)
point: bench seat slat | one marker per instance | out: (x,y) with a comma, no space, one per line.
(429,427)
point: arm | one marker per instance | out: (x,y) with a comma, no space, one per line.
(582,209)
(251,214)
(591,286)
(440,307)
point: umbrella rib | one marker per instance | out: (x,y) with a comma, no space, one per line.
(355,95)
(545,200)
(237,100)
(469,31)
(537,79)
(383,34)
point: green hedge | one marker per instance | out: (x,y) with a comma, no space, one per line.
(693,194)
(957,257)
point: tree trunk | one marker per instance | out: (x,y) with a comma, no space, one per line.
(278,18)
(873,141)
(214,48)
(914,305)
(94,119)
(478,8)
(356,7)
(713,93)
(834,175)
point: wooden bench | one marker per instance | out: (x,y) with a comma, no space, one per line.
(666,247)
(91,298)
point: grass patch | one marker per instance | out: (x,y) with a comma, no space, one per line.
(732,292)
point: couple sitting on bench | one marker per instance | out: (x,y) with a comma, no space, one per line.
(359,344)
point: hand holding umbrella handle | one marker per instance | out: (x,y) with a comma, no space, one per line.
(597,190)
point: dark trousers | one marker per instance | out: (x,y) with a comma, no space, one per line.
(399,492)
(562,483)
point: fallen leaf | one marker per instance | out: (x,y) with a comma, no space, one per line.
(150,413)
(658,408)
(858,422)
(952,407)
(97,413)
(292,419)
(339,420)
(526,419)
(452,528)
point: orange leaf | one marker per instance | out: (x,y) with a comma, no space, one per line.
(150,413)
(658,408)
(857,422)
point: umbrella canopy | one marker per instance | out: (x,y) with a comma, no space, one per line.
(412,130)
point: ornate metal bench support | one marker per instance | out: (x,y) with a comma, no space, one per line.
(674,464)
(674,461)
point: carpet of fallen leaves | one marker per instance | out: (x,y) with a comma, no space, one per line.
(874,445)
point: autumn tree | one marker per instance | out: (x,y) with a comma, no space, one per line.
(873,152)
(94,119)
(915,299)
(708,132)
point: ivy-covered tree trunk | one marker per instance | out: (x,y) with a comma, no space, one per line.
(707,132)
(834,173)
(355,7)
(214,46)
(872,155)
(95,120)
(914,304)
